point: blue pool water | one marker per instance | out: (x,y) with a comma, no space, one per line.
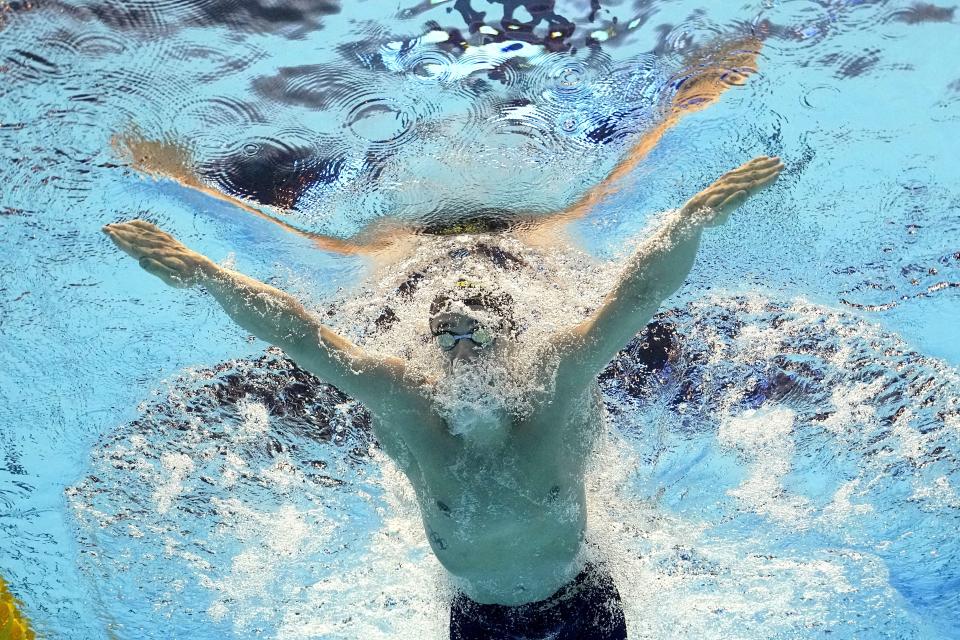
(791,472)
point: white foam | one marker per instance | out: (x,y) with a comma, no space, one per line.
(175,468)
(764,439)
(551,291)
(255,420)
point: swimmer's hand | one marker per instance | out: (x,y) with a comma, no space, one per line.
(712,206)
(160,254)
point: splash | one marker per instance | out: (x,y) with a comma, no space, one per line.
(785,467)
(550,290)
(469,403)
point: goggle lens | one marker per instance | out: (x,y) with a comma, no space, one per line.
(480,337)
(446,341)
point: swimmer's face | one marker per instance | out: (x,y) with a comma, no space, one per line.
(470,339)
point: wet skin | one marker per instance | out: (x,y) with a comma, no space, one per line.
(505,511)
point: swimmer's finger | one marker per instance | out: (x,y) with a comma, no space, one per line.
(127,226)
(752,179)
(768,179)
(143,224)
(763,167)
(138,238)
(756,165)
(111,229)
(126,247)
(156,268)
(760,163)
(763,161)
(764,178)
(773,164)
(152,229)
(136,245)
(754,175)
(139,227)
(118,228)
(733,201)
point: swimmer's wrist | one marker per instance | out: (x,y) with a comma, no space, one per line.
(688,224)
(207,271)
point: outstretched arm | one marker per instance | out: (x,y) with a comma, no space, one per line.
(657,269)
(271,315)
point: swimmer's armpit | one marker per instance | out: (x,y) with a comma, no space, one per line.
(704,78)
(173,160)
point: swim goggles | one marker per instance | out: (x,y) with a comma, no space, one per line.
(479,336)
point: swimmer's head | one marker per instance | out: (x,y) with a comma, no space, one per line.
(469,320)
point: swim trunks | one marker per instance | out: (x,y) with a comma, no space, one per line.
(587,608)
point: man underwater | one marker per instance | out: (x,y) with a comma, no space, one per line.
(502,495)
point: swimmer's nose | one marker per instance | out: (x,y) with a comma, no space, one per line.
(464,350)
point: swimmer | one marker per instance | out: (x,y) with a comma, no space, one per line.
(502,498)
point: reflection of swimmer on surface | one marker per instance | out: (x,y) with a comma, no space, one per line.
(272,184)
(501,495)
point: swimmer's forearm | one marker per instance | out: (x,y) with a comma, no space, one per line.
(662,263)
(270,314)
(657,269)
(278,318)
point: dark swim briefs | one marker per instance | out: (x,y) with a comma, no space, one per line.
(588,608)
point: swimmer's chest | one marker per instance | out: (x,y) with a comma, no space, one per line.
(534,467)
(533,458)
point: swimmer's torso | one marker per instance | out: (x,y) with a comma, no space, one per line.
(505,517)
